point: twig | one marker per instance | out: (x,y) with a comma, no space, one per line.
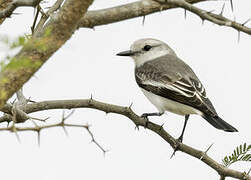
(62,123)
(143,8)
(123,12)
(64,118)
(204,15)
(17,112)
(35,19)
(94,141)
(46,15)
(17,3)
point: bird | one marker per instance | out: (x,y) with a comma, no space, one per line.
(170,84)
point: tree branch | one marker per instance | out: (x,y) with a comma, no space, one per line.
(146,7)
(41,47)
(3,5)
(6,12)
(62,124)
(138,121)
(204,15)
(45,16)
(123,12)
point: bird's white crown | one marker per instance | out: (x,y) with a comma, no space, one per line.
(149,49)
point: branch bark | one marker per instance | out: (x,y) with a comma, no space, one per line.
(45,16)
(146,7)
(10,6)
(3,5)
(137,120)
(123,12)
(204,15)
(41,47)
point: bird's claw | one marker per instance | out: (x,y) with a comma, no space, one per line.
(145,116)
(180,139)
(176,147)
(137,127)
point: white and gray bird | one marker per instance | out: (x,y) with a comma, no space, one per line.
(170,84)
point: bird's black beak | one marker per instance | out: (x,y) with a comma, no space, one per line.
(126,53)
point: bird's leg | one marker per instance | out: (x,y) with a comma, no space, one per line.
(180,139)
(184,127)
(145,115)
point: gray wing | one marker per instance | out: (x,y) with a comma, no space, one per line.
(170,77)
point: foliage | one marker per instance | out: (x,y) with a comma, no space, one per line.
(10,47)
(19,41)
(239,154)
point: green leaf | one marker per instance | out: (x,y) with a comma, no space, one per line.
(10,44)
(249,147)
(244,147)
(240,154)
(20,41)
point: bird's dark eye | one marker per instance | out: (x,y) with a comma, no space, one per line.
(147,47)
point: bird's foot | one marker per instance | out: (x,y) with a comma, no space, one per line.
(137,127)
(177,145)
(145,116)
(180,139)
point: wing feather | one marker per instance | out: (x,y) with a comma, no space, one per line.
(182,89)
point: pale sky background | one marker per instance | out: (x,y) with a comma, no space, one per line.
(87,65)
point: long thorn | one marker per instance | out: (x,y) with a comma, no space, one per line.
(249,171)
(239,36)
(209,148)
(206,151)
(232,5)
(65,131)
(17,136)
(246,22)
(222,9)
(35,20)
(38,138)
(143,21)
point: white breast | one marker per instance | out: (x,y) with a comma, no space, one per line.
(164,104)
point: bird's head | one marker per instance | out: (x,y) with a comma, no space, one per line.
(144,50)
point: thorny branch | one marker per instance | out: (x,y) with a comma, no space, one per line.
(137,120)
(17,3)
(46,15)
(123,12)
(18,115)
(38,128)
(131,10)
(146,7)
(204,15)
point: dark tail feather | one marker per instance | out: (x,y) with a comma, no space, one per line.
(219,123)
